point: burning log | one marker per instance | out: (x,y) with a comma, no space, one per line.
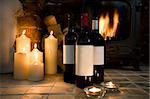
(105,27)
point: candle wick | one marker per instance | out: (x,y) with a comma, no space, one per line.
(35,45)
(51,33)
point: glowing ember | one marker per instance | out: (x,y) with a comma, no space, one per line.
(105,29)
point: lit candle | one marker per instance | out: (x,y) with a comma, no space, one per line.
(36,55)
(21,57)
(21,65)
(110,85)
(95,92)
(23,43)
(94,89)
(36,69)
(51,54)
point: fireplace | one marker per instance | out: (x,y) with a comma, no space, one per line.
(121,31)
(119,23)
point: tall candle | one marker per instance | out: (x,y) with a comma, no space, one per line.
(51,54)
(21,65)
(36,69)
(22,57)
(23,43)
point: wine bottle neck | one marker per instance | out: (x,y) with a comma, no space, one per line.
(71,29)
(84,22)
(71,26)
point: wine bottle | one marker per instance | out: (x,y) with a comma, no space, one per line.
(84,55)
(69,52)
(98,43)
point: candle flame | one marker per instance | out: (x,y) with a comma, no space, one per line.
(35,45)
(51,33)
(94,89)
(109,83)
(23,32)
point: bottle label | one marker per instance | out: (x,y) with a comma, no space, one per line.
(98,55)
(94,24)
(68,54)
(84,60)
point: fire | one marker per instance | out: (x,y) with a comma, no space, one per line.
(105,28)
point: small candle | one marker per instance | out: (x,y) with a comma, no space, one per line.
(23,43)
(110,85)
(36,69)
(51,54)
(95,92)
(36,55)
(94,89)
(21,65)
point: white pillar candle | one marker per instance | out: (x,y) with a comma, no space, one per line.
(36,71)
(23,43)
(21,65)
(51,54)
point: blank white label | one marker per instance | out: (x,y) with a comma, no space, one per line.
(68,54)
(84,60)
(98,55)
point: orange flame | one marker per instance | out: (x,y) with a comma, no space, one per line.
(105,29)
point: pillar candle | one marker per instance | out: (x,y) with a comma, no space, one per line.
(36,68)
(21,65)
(50,54)
(23,43)
(36,71)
